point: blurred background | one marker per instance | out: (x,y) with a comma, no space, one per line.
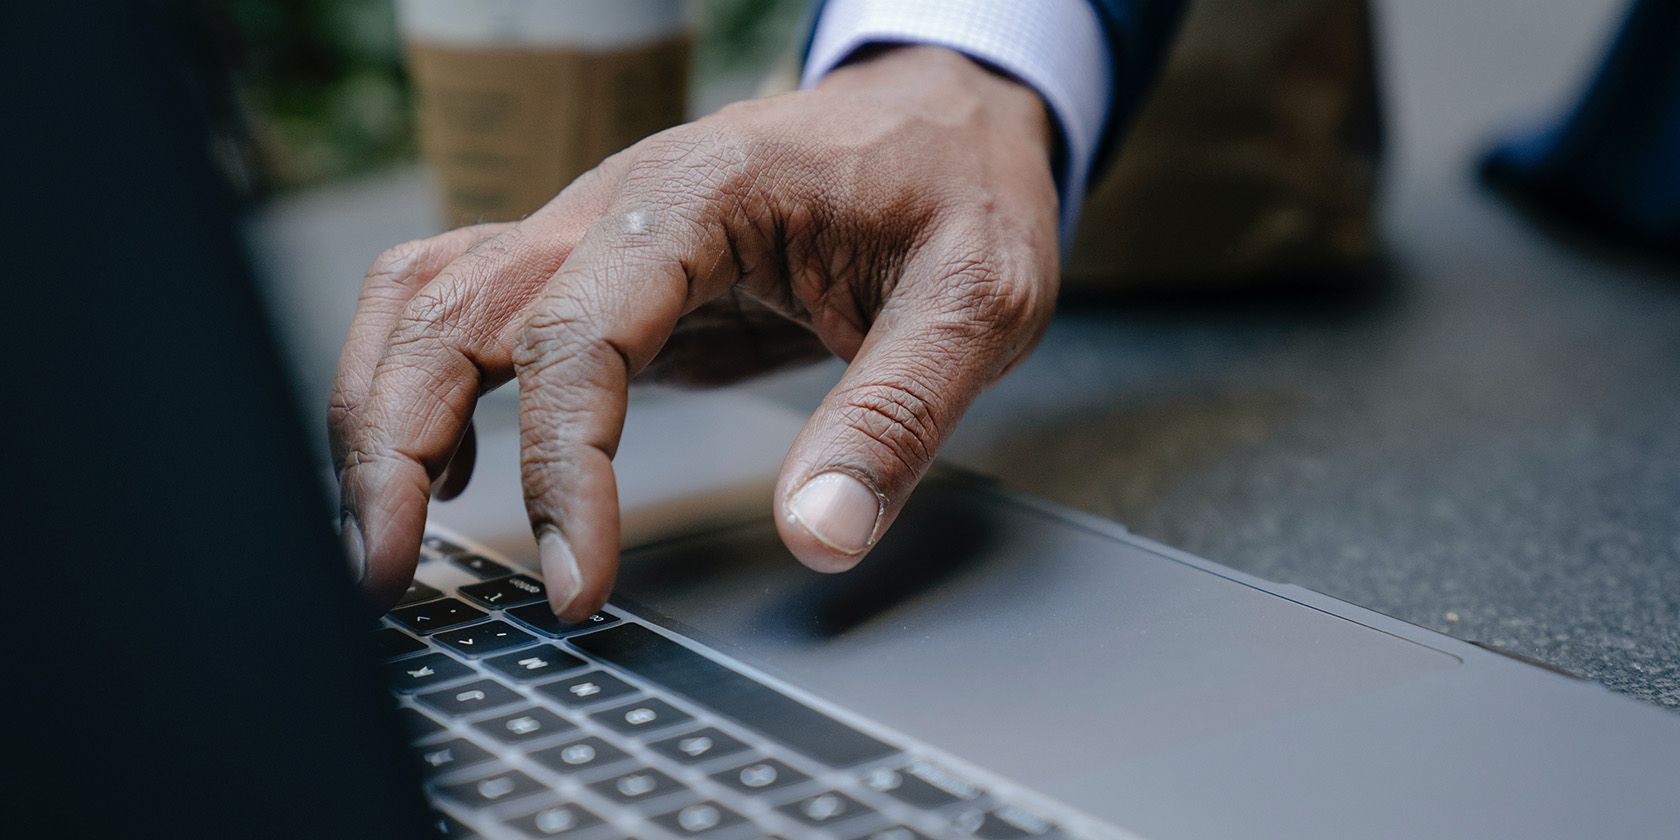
(324,95)
(1430,402)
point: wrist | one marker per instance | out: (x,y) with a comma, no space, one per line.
(944,81)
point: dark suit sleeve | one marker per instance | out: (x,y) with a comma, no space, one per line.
(1140,35)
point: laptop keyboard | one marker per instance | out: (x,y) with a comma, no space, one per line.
(529,727)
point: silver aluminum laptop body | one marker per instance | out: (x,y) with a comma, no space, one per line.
(1154,692)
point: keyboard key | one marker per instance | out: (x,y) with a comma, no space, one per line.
(420,726)
(422,672)
(452,755)
(480,567)
(761,776)
(734,695)
(641,784)
(535,664)
(505,786)
(897,832)
(507,592)
(920,785)
(1006,823)
(825,809)
(484,639)
(697,747)
(391,643)
(439,545)
(540,619)
(556,821)
(699,819)
(418,592)
(434,616)
(579,756)
(476,696)
(450,827)
(587,689)
(525,725)
(642,716)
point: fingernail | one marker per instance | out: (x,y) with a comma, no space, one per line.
(838,510)
(355,547)
(560,570)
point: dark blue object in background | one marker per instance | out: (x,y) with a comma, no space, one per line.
(1613,163)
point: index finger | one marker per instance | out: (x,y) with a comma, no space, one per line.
(600,321)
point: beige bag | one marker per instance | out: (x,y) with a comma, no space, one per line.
(1253,160)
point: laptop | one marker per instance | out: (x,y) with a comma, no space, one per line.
(188,657)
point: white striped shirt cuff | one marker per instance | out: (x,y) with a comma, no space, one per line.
(1054,46)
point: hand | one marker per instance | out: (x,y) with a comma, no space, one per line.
(902,214)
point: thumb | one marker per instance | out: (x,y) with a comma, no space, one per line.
(936,344)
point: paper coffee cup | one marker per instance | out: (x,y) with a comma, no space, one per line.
(516,98)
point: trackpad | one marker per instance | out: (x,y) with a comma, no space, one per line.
(1018,640)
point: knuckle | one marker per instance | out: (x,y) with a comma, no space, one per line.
(427,317)
(900,417)
(397,264)
(361,457)
(340,411)
(566,330)
(551,334)
(709,161)
(986,300)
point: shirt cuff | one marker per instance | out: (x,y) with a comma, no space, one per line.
(1055,47)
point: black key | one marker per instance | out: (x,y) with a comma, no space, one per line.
(476,696)
(418,592)
(539,618)
(507,592)
(642,716)
(587,689)
(564,820)
(897,832)
(1006,823)
(439,545)
(761,776)
(450,827)
(529,724)
(736,696)
(433,616)
(484,639)
(699,819)
(697,747)
(825,809)
(419,725)
(578,756)
(450,755)
(535,664)
(505,786)
(391,643)
(421,672)
(482,568)
(640,784)
(920,785)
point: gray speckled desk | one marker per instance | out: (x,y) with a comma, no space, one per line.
(1487,443)
(1491,453)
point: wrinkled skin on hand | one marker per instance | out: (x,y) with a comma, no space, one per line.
(901,216)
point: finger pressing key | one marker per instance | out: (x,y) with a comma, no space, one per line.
(599,322)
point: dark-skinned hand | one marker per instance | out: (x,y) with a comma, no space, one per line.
(900,215)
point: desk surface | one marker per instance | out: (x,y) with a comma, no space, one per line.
(1487,445)
(1486,442)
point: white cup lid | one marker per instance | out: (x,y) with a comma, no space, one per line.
(586,24)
